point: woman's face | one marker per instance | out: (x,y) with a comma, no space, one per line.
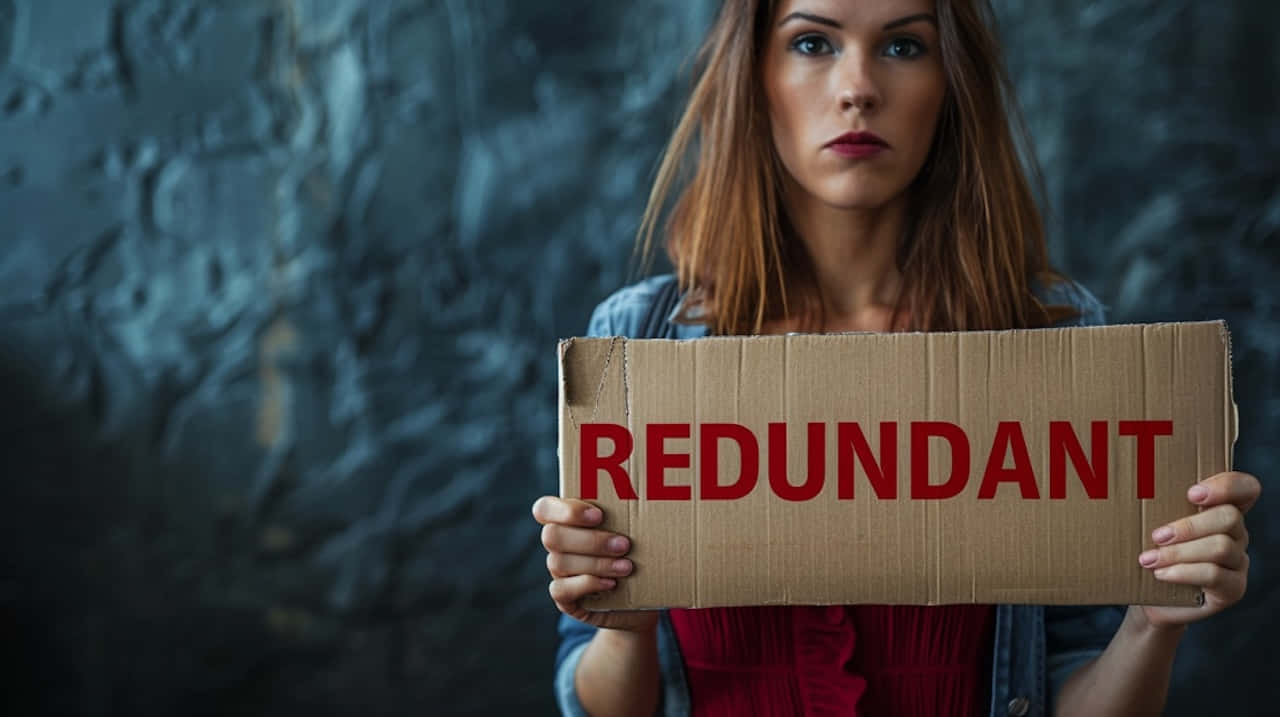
(837,66)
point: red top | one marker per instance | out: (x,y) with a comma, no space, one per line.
(866,660)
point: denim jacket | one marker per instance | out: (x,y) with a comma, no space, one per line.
(1036,647)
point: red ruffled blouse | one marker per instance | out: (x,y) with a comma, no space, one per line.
(865,660)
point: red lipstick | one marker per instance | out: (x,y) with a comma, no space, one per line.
(857,144)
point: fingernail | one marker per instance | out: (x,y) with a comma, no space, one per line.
(1160,573)
(622,566)
(617,544)
(1148,558)
(1162,535)
(1197,493)
(592,515)
(608,582)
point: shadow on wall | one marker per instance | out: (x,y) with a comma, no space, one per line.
(101,608)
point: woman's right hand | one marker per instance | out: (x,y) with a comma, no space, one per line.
(584,560)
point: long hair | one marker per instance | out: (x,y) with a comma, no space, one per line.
(974,239)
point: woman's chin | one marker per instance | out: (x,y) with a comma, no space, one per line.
(859,200)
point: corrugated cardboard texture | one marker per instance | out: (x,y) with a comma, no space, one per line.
(763,550)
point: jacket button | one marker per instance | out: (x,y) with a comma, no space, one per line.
(1019,706)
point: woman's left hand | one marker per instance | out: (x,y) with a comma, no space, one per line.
(1206,549)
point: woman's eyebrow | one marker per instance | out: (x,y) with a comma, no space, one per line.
(928,17)
(811,18)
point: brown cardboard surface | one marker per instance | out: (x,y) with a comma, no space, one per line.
(761,549)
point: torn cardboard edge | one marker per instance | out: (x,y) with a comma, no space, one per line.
(763,549)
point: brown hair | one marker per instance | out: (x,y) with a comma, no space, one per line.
(974,239)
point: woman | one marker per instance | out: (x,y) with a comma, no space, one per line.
(855,169)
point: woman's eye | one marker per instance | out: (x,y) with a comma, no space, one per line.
(904,47)
(810,44)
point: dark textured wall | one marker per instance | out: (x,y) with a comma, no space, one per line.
(280,285)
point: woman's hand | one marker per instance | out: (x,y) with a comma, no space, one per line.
(1206,549)
(584,560)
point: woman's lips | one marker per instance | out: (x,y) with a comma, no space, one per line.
(857,150)
(857,144)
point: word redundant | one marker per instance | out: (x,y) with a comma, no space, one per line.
(1009,446)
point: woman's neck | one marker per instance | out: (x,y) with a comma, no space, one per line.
(853,257)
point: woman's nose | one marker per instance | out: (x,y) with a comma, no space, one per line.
(862,100)
(857,88)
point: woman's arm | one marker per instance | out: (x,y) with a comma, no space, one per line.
(608,672)
(618,673)
(1207,549)
(1130,677)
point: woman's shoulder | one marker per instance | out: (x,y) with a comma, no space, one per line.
(1061,291)
(622,312)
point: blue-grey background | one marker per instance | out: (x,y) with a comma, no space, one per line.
(280,282)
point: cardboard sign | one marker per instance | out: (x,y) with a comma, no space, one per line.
(908,468)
